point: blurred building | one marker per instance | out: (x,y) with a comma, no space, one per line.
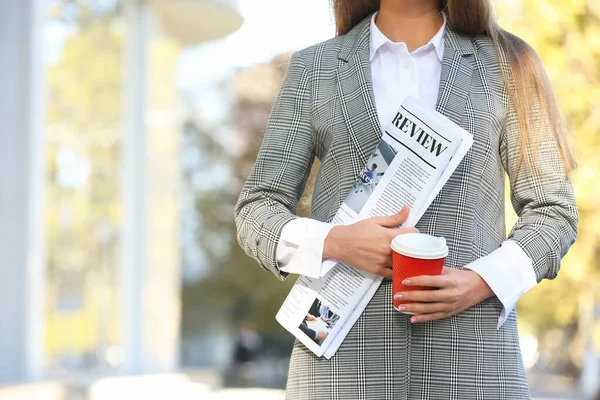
(111,295)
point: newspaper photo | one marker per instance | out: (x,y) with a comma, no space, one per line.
(418,152)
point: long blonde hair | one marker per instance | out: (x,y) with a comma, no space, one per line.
(527,74)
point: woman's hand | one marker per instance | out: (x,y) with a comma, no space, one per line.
(365,245)
(456,291)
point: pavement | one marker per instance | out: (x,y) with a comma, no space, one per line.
(206,385)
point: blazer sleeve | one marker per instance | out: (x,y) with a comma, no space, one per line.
(541,195)
(270,196)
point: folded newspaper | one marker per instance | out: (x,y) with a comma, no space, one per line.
(418,152)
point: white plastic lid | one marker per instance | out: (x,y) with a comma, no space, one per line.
(420,245)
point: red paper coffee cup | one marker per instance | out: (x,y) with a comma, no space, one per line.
(415,254)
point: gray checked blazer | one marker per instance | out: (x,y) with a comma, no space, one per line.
(326,109)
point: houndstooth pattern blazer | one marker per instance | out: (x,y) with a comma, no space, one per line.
(326,109)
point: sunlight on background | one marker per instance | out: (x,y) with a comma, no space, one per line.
(206,309)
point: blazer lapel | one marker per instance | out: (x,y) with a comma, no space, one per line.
(356,95)
(457,72)
(356,88)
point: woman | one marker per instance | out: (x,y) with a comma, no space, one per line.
(462,343)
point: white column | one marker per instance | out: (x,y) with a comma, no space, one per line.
(150,284)
(134,185)
(21,191)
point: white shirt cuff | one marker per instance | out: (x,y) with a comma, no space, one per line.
(300,247)
(508,271)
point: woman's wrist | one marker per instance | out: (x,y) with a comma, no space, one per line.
(332,247)
(485,290)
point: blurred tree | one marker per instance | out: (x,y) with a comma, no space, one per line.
(236,291)
(83,204)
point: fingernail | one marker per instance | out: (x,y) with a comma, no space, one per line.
(413,320)
(402,308)
(406,282)
(398,296)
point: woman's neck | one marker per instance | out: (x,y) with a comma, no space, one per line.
(413,22)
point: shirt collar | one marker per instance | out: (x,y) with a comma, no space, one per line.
(378,39)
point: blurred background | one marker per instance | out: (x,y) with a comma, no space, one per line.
(129,127)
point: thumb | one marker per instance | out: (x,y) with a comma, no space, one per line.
(394,220)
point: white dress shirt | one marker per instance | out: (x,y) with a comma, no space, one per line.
(395,74)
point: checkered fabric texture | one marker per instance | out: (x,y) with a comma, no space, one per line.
(326,109)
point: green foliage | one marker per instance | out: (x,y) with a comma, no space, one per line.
(83,219)
(237,292)
(84,89)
